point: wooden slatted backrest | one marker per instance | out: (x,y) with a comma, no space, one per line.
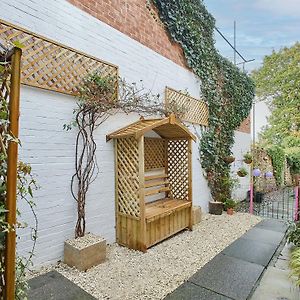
(157,186)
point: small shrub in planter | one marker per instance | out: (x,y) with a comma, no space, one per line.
(248,158)
(242,172)
(229,205)
(229,159)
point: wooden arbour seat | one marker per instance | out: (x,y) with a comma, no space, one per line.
(153,181)
(158,185)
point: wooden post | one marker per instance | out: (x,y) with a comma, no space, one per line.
(142,243)
(116,192)
(190,181)
(11,197)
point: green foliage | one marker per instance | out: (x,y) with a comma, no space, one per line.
(230,203)
(295,264)
(18,44)
(247,156)
(25,186)
(293,235)
(293,159)
(278,81)
(291,146)
(242,172)
(278,158)
(228,91)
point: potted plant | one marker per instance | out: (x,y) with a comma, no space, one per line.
(229,159)
(242,172)
(248,158)
(229,205)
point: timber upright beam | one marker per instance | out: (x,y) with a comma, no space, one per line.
(142,242)
(190,182)
(11,197)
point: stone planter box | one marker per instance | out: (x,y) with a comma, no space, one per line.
(86,252)
(196,214)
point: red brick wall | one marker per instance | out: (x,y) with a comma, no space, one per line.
(134,18)
(138,20)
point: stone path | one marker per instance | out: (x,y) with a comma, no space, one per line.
(276,283)
(236,271)
(54,286)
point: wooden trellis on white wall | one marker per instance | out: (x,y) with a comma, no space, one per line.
(50,65)
(195,110)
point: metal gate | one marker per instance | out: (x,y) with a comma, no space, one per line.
(281,204)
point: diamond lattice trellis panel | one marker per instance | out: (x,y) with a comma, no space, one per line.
(5,82)
(49,65)
(128,181)
(155,153)
(196,111)
(178,168)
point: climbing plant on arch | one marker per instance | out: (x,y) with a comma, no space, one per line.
(228,91)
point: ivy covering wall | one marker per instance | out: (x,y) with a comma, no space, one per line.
(228,91)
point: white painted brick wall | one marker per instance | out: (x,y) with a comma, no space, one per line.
(50,149)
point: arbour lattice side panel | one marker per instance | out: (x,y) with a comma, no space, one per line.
(127,177)
(196,111)
(49,65)
(155,153)
(178,168)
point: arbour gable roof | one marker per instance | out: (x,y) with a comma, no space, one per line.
(168,127)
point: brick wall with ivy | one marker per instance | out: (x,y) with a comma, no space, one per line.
(139,20)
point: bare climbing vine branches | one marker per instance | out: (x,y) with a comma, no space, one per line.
(96,103)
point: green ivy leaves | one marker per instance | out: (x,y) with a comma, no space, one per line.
(228,91)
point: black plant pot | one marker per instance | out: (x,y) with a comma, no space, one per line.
(215,208)
(257,197)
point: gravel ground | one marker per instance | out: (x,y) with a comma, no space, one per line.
(82,242)
(129,274)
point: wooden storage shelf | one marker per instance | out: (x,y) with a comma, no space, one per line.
(153,181)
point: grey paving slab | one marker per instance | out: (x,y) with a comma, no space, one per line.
(54,286)
(271,224)
(282,264)
(190,291)
(251,251)
(228,276)
(263,235)
(276,284)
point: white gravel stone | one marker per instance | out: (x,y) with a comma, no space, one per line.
(129,274)
(85,241)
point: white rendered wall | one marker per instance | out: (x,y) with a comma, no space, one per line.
(50,149)
(241,146)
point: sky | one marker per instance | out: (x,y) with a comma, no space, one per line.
(261,26)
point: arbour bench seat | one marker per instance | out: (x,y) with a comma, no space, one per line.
(165,216)
(163,207)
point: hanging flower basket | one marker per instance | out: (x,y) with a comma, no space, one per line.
(248,161)
(242,172)
(229,159)
(248,158)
